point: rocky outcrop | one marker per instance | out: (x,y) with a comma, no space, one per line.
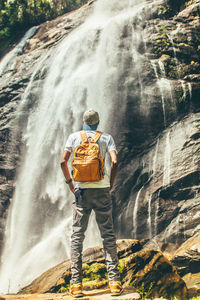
(146,270)
(187,257)
(187,261)
(159,142)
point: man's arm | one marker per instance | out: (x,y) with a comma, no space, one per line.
(64,167)
(114,167)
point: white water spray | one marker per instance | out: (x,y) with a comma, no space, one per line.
(164,86)
(161,85)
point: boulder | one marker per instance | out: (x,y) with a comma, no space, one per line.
(187,261)
(148,271)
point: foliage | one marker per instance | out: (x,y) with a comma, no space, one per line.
(163,11)
(174,298)
(122,265)
(95,271)
(144,291)
(64,288)
(16,16)
(194,298)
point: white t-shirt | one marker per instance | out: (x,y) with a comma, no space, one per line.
(106,144)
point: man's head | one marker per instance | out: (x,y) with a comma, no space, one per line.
(90,120)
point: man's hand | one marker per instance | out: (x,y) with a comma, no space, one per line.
(64,167)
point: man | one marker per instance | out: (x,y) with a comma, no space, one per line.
(92,195)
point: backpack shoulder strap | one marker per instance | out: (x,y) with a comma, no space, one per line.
(83,136)
(96,136)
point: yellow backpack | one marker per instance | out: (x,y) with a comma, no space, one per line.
(87,163)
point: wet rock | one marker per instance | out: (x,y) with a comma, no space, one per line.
(192,77)
(147,270)
(192,281)
(161,201)
(187,261)
(188,13)
(187,257)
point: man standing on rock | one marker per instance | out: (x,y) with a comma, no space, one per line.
(91,186)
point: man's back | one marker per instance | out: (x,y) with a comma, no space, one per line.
(106,145)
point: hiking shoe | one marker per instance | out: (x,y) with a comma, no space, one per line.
(116,288)
(76,290)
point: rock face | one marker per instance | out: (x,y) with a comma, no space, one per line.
(187,261)
(159,138)
(147,270)
(152,82)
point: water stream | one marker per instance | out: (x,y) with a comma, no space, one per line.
(167,160)
(154,161)
(135,212)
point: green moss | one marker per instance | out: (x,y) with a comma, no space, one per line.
(145,291)
(159,41)
(163,39)
(179,95)
(64,288)
(122,265)
(161,10)
(173,74)
(193,298)
(96,271)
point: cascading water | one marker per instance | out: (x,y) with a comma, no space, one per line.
(135,211)
(167,159)
(83,72)
(150,192)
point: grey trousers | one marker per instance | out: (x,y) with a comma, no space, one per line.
(99,200)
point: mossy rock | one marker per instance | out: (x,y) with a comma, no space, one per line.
(122,265)
(95,271)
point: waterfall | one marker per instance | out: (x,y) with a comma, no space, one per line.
(154,161)
(156,216)
(161,85)
(167,160)
(135,212)
(82,72)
